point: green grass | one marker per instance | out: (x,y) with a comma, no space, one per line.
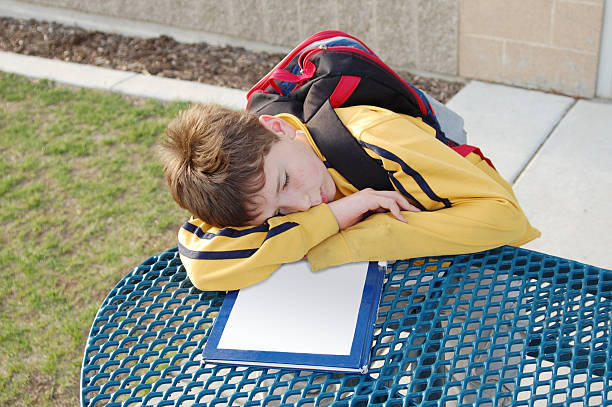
(82,201)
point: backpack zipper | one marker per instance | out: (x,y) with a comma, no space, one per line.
(305,56)
(323,35)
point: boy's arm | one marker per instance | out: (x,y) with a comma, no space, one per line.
(460,229)
(233,258)
(468,207)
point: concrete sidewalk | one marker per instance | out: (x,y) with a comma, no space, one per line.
(130,83)
(554,149)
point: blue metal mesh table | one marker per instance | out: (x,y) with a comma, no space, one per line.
(507,326)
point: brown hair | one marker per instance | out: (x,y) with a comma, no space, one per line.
(213,161)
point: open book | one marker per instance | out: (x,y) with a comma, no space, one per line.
(298,319)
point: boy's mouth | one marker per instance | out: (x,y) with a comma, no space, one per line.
(324,198)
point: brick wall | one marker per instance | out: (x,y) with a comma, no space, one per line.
(544,44)
(551,45)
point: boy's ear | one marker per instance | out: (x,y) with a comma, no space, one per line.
(277,125)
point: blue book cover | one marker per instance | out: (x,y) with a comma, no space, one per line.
(297,319)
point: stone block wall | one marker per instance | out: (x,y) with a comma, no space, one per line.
(544,44)
(407,34)
(551,45)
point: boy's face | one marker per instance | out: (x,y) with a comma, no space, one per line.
(296,179)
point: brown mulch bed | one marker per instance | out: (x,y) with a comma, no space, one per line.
(228,66)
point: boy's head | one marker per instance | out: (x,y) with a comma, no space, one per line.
(231,168)
(213,161)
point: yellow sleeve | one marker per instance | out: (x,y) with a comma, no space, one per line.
(233,258)
(467,206)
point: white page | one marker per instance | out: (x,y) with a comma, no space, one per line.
(296,310)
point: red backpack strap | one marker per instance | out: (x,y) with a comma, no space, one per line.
(344,90)
(465,149)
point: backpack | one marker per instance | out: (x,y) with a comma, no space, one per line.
(333,69)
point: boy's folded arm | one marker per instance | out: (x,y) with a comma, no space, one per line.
(470,226)
(233,258)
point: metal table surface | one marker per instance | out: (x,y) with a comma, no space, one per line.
(507,326)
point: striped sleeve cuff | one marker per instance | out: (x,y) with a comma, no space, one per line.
(318,223)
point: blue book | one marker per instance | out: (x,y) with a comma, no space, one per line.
(297,319)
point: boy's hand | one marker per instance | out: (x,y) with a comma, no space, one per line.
(351,209)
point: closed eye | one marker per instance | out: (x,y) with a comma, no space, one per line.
(278,212)
(285,184)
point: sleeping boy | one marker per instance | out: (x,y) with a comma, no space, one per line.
(261,194)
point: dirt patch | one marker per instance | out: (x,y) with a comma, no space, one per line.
(228,66)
